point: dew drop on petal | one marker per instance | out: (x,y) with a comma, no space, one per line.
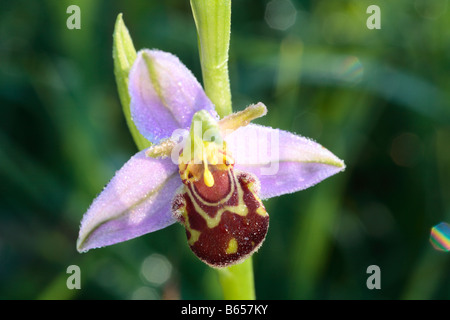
(440,237)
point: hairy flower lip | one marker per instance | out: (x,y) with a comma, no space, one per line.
(164,97)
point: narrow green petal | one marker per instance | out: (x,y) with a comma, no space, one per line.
(124,55)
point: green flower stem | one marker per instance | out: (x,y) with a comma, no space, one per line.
(124,55)
(213,22)
(237,281)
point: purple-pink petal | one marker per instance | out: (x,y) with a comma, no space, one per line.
(164,95)
(135,202)
(282,161)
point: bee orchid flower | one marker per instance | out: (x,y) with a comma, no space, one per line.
(209,174)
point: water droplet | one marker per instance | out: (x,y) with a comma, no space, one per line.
(145,293)
(280,14)
(156,269)
(440,237)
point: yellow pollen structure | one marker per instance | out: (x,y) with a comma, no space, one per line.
(232,246)
(208,177)
(210,154)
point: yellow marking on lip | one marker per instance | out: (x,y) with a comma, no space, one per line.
(232,246)
(261,211)
(194,234)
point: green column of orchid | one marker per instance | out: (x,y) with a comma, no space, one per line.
(213,22)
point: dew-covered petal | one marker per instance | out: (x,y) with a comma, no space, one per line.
(136,201)
(282,161)
(164,95)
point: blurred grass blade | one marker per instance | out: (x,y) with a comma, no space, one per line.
(124,55)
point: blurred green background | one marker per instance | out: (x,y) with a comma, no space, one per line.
(379,99)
